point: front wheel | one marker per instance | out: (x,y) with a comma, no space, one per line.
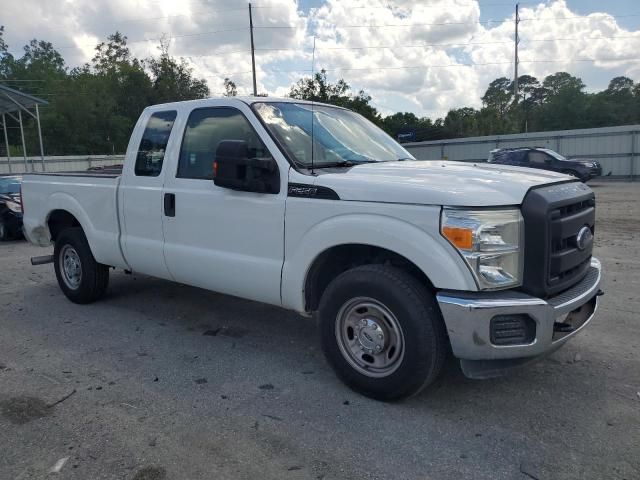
(81,278)
(382,332)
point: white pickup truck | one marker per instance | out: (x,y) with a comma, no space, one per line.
(313,208)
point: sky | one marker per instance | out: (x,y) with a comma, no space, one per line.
(425,56)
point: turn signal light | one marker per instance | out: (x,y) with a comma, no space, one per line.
(460,237)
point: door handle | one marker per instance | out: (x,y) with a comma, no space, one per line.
(170,204)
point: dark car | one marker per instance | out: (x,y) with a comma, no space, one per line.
(10,207)
(546,159)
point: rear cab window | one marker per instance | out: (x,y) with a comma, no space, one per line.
(153,144)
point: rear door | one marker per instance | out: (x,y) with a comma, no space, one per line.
(141,193)
(216,238)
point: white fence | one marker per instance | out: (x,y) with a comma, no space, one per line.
(70,163)
(616,148)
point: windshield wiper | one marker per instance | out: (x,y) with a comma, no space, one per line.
(343,163)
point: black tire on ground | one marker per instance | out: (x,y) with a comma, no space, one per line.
(4,231)
(425,343)
(94,277)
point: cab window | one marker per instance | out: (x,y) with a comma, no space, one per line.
(538,158)
(154,143)
(205,129)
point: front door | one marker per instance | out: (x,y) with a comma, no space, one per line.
(216,238)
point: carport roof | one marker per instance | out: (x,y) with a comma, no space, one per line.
(11,100)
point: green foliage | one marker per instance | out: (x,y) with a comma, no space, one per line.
(230,89)
(92,109)
(318,89)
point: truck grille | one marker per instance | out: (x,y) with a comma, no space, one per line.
(559,228)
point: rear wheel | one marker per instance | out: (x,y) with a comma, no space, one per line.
(382,332)
(81,278)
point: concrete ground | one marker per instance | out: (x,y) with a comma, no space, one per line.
(161,381)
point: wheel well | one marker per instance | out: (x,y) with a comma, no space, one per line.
(60,220)
(336,260)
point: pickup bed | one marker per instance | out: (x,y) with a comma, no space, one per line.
(312,208)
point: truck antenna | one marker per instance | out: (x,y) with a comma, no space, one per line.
(313,64)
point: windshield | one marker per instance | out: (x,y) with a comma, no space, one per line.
(555,155)
(10,185)
(340,137)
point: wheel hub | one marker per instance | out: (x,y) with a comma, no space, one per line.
(370,335)
(71,267)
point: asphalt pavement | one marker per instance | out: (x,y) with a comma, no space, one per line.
(163,381)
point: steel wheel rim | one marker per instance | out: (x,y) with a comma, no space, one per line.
(70,267)
(369,337)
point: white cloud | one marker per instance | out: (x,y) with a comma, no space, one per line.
(426,56)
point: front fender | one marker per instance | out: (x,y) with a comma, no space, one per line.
(431,254)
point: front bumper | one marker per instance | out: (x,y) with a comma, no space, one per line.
(468,319)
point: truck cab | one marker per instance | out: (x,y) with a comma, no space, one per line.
(312,208)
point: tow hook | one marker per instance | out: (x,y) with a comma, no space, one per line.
(600,293)
(563,327)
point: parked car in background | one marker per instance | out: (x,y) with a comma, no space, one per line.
(10,207)
(546,159)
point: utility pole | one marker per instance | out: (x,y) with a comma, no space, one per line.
(517,60)
(253,56)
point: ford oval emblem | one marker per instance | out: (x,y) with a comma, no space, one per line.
(583,238)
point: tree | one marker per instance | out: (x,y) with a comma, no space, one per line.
(113,54)
(620,86)
(318,89)
(230,89)
(561,81)
(461,122)
(565,103)
(173,80)
(499,95)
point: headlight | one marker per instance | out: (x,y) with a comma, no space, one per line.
(14,207)
(490,241)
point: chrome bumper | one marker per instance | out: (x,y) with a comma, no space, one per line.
(468,320)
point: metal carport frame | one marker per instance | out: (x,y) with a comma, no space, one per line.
(14,101)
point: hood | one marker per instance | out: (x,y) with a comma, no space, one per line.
(437,183)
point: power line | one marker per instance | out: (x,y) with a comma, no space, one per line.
(155,39)
(422,67)
(463,44)
(394,25)
(398,25)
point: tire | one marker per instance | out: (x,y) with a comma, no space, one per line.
(4,231)
(405,316)
(82,279)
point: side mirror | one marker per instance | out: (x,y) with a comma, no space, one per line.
(234,169)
